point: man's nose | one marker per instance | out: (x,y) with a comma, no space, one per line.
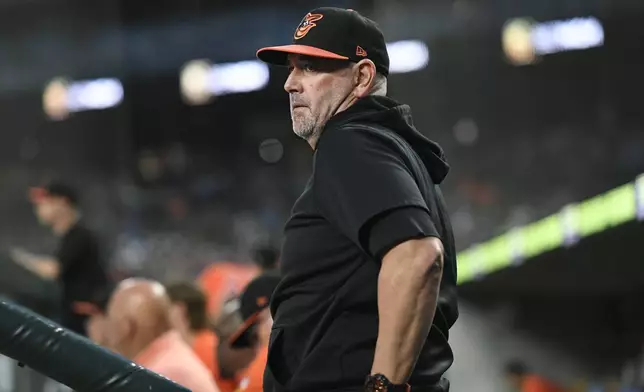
(292,84)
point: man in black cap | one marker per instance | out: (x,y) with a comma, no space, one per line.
(256,329)
(368,293)
(77,264)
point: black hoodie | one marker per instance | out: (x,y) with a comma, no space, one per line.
(371,167)
(384,112)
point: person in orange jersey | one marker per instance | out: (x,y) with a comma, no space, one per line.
(138,326)
(223,281)
(190,319)
(520,377)
(256,329)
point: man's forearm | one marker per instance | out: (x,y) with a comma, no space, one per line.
(407,296)
(44,266)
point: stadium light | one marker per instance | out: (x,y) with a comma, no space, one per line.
(639,194)
(517,42)
(62,97)
(407,56)
(201,81)
(524,40)
(194,82)
(54,99)
(566,35)
(241,77)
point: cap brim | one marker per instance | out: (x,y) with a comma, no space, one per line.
(239,332)
(37,194)
(278,55)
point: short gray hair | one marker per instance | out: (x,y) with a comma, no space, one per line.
(379,85)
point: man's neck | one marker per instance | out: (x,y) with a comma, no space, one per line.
(65,223)
(190,336)
(141,344)
(349,101)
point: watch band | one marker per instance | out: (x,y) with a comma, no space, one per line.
(380,383)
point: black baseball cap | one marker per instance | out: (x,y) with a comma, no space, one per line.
(253,300)
(333,33)
(54,189)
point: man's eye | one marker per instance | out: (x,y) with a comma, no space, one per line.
(308,67)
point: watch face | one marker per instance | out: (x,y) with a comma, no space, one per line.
(377,383)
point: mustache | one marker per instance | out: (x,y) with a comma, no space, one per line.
(295,102)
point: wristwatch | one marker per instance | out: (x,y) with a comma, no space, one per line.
(380,383)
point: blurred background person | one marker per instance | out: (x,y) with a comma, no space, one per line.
(521,379)
(222,282)
(266,257)
(138,325)
(232,359)
(78,264)
(256,329)
(190,319)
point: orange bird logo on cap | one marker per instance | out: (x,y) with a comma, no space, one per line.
(262,301)
(307,24)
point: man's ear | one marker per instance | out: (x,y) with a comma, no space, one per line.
(365,77)
(128,328)
(177,314)
(180,309)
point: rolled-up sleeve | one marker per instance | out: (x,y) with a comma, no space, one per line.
(396,227)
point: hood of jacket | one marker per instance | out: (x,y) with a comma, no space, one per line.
(385,112)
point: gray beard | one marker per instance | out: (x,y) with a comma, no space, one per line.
(306,129)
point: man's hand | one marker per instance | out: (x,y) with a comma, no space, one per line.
(408,287)
(45,267)
(19,255)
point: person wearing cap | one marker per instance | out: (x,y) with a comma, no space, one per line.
(77,265)
(368,293)
(232,359)
(256,329)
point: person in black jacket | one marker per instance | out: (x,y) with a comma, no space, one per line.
(368,263)
(78,264)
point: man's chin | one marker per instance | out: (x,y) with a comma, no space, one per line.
(304,134)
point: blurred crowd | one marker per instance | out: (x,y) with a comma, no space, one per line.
(208,335)
(204,325)
(170,230)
